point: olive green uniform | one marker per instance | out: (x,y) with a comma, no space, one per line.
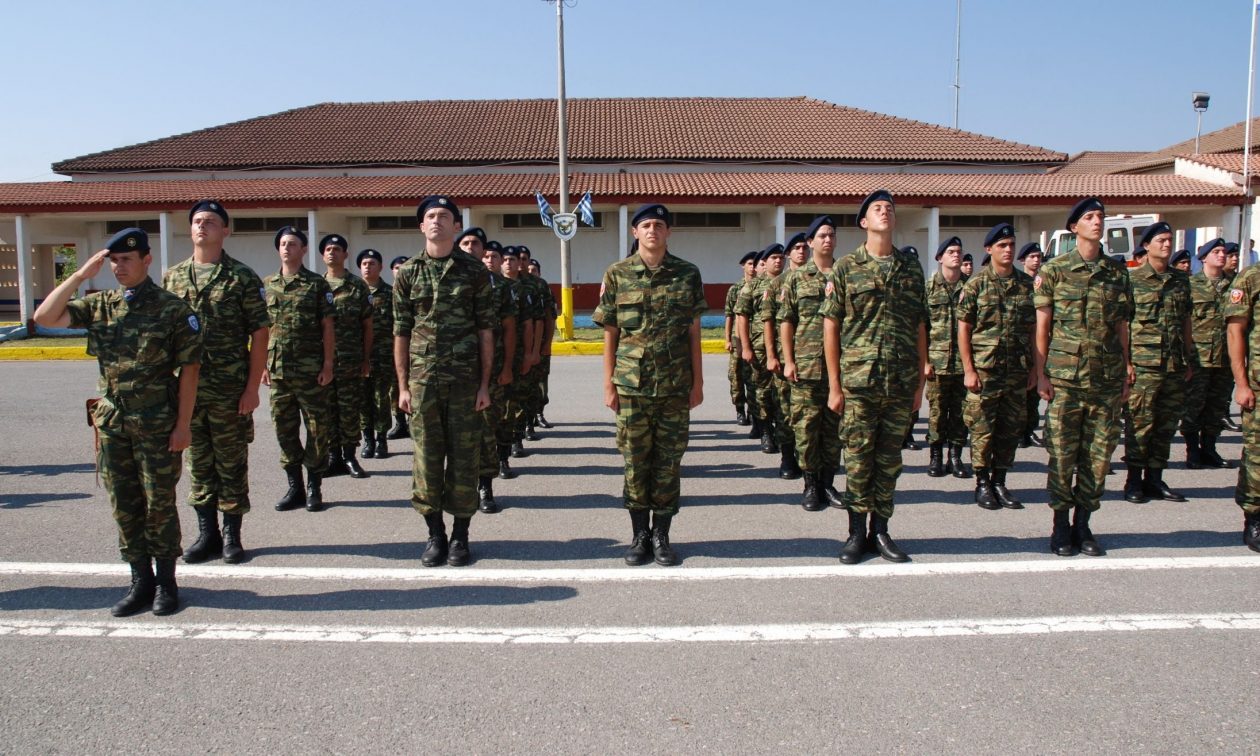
(298,305)
(815,428)
(748,305)
(378,407)
(781,388)
(1208,392)
(495,432)
(1157,349)
(1244,302)
(352,305)
(736,369)
(945,391)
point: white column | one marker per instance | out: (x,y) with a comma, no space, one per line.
(934,236)
(1232,222)
(780,224)
(164,242)
(26,293)
(623,229)
(312,235)
(466,215)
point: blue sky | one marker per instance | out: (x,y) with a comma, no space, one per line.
(1069,75)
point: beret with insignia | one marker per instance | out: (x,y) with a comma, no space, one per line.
(369,254)
(966,257)
(998,233)
(910,250)
(652,212)
(494,246)
(748,257)
(1028,249)
(794,240)
(1089,204)
(398,261)
(1209,246)
(290,231)
(1182,254)
(212,206)
(333,240)
(879,195)
(128,240)
(437,200)
(1231,248)
(772,249)
(1153,230)
(817,223)
(472,231)
(523,251)
(952,241)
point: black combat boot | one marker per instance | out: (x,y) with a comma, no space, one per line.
(233,551)
(640,551)
(936,460)
(986,497)
(1193,460)
(505,467)
(1133,489)
(541,422)
(1231,423)
(789,469)
(209,543)
(956,464)
(166,597)
(368,450)
(140,596)
(1207,453)
(485,495)
(754,429)
(811,500)
(827,490)
(336,463)
(855,548)
(457,553)
(518,447)
(295,497)
(1061,535)
(530,433)
(1036,440)
(908,442)
(883,543)
(352,465)
(662,552)
(435,553)
(740,417)
(768,444)
(400,427)
(1251,530)
(314,492)
(1082,537)
(1025,441)
(382,446)
(1004,495)
(1155,487)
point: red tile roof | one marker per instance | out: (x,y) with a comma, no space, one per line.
(491,132)
(1228,161)
(1097,161)
(1228,139)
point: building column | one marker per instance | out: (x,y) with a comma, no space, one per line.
(623,228)
(1232,223)
(466,216)
(26,293)
(164,242)
(312,235)
(934,236)
(780,224)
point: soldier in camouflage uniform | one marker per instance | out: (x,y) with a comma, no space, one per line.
(876,348)
(377,405)
(737,370)
(1242,312)
(534,386)
(1031,256)
(352,327)
(527,385)
(996,320)
(945,391)
(1207,394)
(230,303)
(550,313)
(650,306)
(148,344)
(299,369)
(528,325)
(443,353)
(748,321)
(399,428)
(1083,303)
(768,315)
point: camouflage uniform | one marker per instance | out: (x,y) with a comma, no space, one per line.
(781,389)
(141,337)
(440,306)
(1157,350)
(378,407)
(529,385)
(549,319)
(1244,303)
(736,370)
(945,392)
(352,304)
(1209,389)
(815,428)
(748,304)
(495,433)
(653,312)
(231,304)
(879,307)
(295,354)
(516,407)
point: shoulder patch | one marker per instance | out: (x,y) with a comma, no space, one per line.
(601,289)
(1235,296)
(371,300)
(831,287)
(329,296)
(765,295)
(193,323)
(262,293)
(1037,282)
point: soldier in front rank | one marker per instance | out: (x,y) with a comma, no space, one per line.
(747,320)
(789,466)
(1207,394)
(945,390)
(1242,312)
(399,429)
(550,313)
(148,344)
(352,324)
(876,347)
(378,407)
(1160,348)
(230,303)
(299,369)
(996,320)
(650,305)
(528,325)
(1030,256)
(1083,303)
(815,426)
(443,353)
(496,440)
(737,369)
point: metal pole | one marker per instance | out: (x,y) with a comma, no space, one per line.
(566,282)
(1245,230)
(957,60)
(1197,130)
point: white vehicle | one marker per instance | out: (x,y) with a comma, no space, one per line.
(1121,234)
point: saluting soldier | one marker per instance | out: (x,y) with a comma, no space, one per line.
(876,349)
(228,298)
(945,390)
(768,315)
(1242,312)
(748,321)
(996,320)
(1207,395)
(352,325)
(1083,305)
(378,406)
(148,345)
(650,305)
(300,369)
(399,429)
(737,369)
(1031,257)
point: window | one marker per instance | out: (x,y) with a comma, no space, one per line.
(148,226)
(534,220)
(392,223)
(801,221)
(708,220)
(1118,241)
(975,221)
(266,225)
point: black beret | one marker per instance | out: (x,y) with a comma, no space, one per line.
(290,231)
(748,257)
(1182,254)
(1231,248)
(817,223)
(536,264)
(333,240)
(773,249)
(875,196)
(1082,207)
(521,249)
(1209,246)
(128,240)
(1153,230)
(494,246)
(1119,258)
(472,231)
(952,241)
(998,233)
(369,254)
(1028,249)
(213,206)
(509,251)
(398,261)
(910,250)
(660,212)
(966,257)
(794,240)
(437,200)
(987,258)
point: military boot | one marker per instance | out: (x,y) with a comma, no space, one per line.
(768,444)
(754,428)
(741,418)
(314,492)
(908,442)
(1207,453)
(936,460)
(368,450)
(1082,537)
(811,501)
(883,543)
(530,433)
(336,463)
(640,551)
(295,497)
(518,447)
(1155,487)
(662,552)
(436,551)
(457,553)
(827,490)
(856,547)
(209,543)
(382,446)
(352,465)
(233,551)
(1133,486)
(1231,423)
(1061,535)
(1251,530)
(166,597)
(1004,495)
(140,596)
(485,495)
(400,427)
(789,469)
(956,465)
(986,497)
(1193,461)
(541,422)
(505,467)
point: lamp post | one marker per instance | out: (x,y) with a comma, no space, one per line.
(566,276)
(1199,100)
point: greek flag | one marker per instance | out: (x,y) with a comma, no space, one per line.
(543,209)
(583,209)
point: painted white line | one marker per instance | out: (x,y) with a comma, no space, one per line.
(975,628)
(872,569)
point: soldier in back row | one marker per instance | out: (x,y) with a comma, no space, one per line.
(352,327)
(747,311)
(1208,391)
(945,390)
(1030,257)
(378,404)
(737,369)
(768,318)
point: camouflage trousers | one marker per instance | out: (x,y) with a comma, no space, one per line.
(652,436)
(783,412)
(1082,428)
(736,371)
(140,475)
(1033,409)
(996,417)
(494,431)
(1207,401)
(763,386)
(345,408)
(521,396)
(945,395)
(292,402)
(1247,494)
(1155,405)
(876,419)
(377,405)
(446,430)
(218,457)
(544,383)
(815,428)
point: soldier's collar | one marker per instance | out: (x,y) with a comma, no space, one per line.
(137,293)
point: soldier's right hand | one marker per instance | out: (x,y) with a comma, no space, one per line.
(789,372)
(971,381)
(94,264)
(1245,397)
(773,364)
(746,354)
(325,376)
(835,401)
(404,401)
(610,398)
(729,346)
(266,378)
(505,377)
(1044,389)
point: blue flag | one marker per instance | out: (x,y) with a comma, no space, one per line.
(583,210)
(544,209)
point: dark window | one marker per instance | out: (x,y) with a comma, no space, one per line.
(266,225)
(708,220)
(534,220)
(392,223)
(148,226)
(801,221)
(975,221)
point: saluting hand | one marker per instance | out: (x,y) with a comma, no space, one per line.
(94,264)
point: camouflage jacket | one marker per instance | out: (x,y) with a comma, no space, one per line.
(352,304)
(297,307)
(1087,304)
(504,295)
(548,299)
(382,299)
(528,308)
(440,305)
(732,295)
(1161,304)
(768,312)
(230,306)
(653,312)
(942,303)
(1002,318)
(1244,303)
(1207,321)
(801,297)
(748,304)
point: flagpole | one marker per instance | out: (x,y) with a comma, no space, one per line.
(1245,231)
(566,282)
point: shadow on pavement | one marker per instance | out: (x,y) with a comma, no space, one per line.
(21,501)
(47,471)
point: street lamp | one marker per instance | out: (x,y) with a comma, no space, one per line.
(1200,102)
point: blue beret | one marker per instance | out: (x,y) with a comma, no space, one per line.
(1028,249)
(494,246)
(437,200)
(748,257)
(660,212)
(369,254)
(966,257)
(333,240)
(876,196)
(1208,247)
(794,240)
(128,240)
(817,223)
(998,233)
(1084,206)
(952,241)
(290,231)
(472,231)
(987,258)
(1231,248)
(1119,258)
(1153,230)
(1182,254)
(213,206)
(910,250)
(772,249)
(398,260)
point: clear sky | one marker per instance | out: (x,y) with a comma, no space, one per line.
(1070,75)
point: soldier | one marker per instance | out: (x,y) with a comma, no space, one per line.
(1207,394)
(495,434)
(737,368)
(528,326)
(1181,261)
(352,326)
(815,426)
(228,299)
(544,331)
(1082,364)
(1231,260)
(650,306)
(529,383)
(908,442)
(768,315)
(148,344)
(299,369)
(945,390)
(876,348)
(399,429)
(1031,257)
(747,312)
(443,353)
(550,313)
(1160,346)
(996,319)
(377,403)
(967,265)
(1241,313)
